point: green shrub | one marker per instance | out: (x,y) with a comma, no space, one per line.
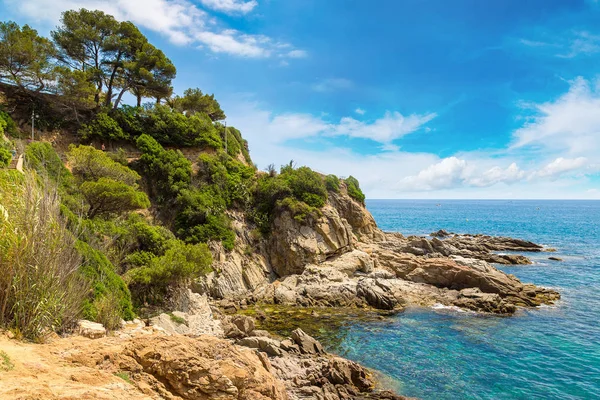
(41,157)
(166,172)
(119,156)
(5,157)
(89,164)
(104,280)
(171,127)
(299,209)
(306,185)
(107,197)
(332,183)
(102,127)
(354,190)
(7,125)
(179,264)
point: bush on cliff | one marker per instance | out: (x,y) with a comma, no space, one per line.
(166,172)
(5,157)
(332,183)
(180,263)
(102,127)
(354,190)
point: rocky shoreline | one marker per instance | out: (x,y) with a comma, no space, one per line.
(208,347)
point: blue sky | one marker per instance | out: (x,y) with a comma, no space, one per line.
(416,98)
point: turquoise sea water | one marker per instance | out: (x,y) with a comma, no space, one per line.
(544,353)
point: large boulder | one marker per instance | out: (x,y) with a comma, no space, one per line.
(294,244)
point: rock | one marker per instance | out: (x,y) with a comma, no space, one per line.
(440,234)
(264,344)
(295,244)
(238,326)
(376,294)
(204,368)
(306,343)
(89,329)
(474,299)
(555,258)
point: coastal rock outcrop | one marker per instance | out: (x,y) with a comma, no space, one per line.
(339,258)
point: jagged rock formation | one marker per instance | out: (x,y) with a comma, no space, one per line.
(340,258)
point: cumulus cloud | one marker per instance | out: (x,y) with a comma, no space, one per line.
(571,122)
(560,166)
(496,175)
(447,173)
(181,21)
(360,111)
(231,6)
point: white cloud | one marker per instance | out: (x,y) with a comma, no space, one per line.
(568,45)
(332,84)
(448,173)
(360,111)
(394,173)
(496,175)
(231,6)
(297,54)
(391,126)
(181,21)
(232,42)
(571,122)
(561,166)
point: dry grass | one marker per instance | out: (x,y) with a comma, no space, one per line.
(40,289)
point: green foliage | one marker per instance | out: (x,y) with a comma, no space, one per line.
(125,376)
(108,197)
(25,57)
(166,172)
(171,127)
(193,102)
(41,157)
(180,263)
(114,55)
(6,363)
(102,127)
(105,282)
(354,190)
(332,183)
(301,190)
(5,157)
(7,125)
(119,156)
(306,185)
(177,320)
(232,178)
(89,164)
(299,209)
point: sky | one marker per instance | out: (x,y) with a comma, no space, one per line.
(427,99)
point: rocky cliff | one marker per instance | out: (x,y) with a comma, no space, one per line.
(339,257)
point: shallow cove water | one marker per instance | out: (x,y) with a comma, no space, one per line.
(544,353)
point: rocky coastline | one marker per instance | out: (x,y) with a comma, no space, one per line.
(208,347)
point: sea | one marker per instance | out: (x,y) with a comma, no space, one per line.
(550,352)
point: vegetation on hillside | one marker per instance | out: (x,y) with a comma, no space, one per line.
(118,231)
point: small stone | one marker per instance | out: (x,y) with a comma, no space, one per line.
(555,258)
(89,329)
